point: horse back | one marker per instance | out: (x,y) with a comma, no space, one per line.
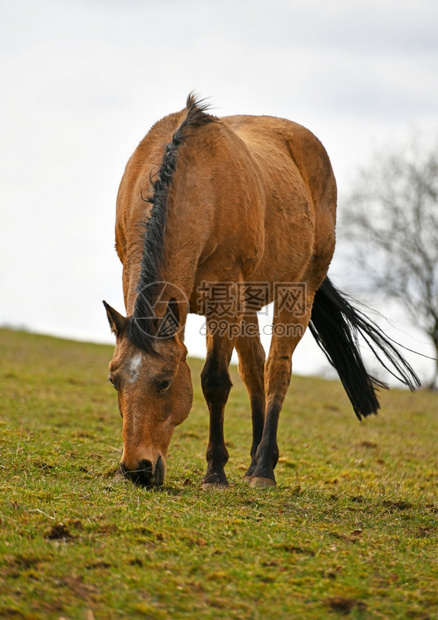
(300,196)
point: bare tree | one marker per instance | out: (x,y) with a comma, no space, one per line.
(390,220)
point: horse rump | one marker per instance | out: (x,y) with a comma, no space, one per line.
(336,326)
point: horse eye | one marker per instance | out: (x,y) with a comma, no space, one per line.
(162,386)
(112,381)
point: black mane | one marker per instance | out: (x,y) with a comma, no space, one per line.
(142,329)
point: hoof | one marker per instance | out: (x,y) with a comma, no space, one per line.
(214,480)
(261,483)
(207,486)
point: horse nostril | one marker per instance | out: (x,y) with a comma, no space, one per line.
(141,475)
(160,471)
(144,474)
(145,468)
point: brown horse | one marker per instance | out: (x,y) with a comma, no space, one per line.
(220,217)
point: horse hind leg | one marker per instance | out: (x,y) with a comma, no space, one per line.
(289,327)
(251,368)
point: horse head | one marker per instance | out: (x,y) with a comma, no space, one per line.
(155,393)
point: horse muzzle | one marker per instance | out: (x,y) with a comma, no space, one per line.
(146,474)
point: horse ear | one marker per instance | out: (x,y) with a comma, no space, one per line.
(171,322)
(116,320)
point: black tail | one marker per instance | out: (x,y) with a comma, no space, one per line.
(336,327)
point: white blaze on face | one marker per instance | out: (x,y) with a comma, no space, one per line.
(134,367)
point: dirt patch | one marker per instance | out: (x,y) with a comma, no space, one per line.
(367,444)
(397,505)
(10,612)
(295,549)
(77,586)
(344,605)
(59,532)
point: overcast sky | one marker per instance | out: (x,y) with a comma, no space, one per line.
(83,80)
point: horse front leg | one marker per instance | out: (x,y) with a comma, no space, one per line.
(216,385)
(288,331)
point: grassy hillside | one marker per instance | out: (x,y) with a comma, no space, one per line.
(350,529)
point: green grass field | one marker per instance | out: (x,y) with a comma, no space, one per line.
(349,530)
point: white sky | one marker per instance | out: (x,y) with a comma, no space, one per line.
(83,80)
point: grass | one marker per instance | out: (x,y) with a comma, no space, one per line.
(350,529)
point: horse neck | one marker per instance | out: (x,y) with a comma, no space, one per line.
(179,242)
(183,245)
